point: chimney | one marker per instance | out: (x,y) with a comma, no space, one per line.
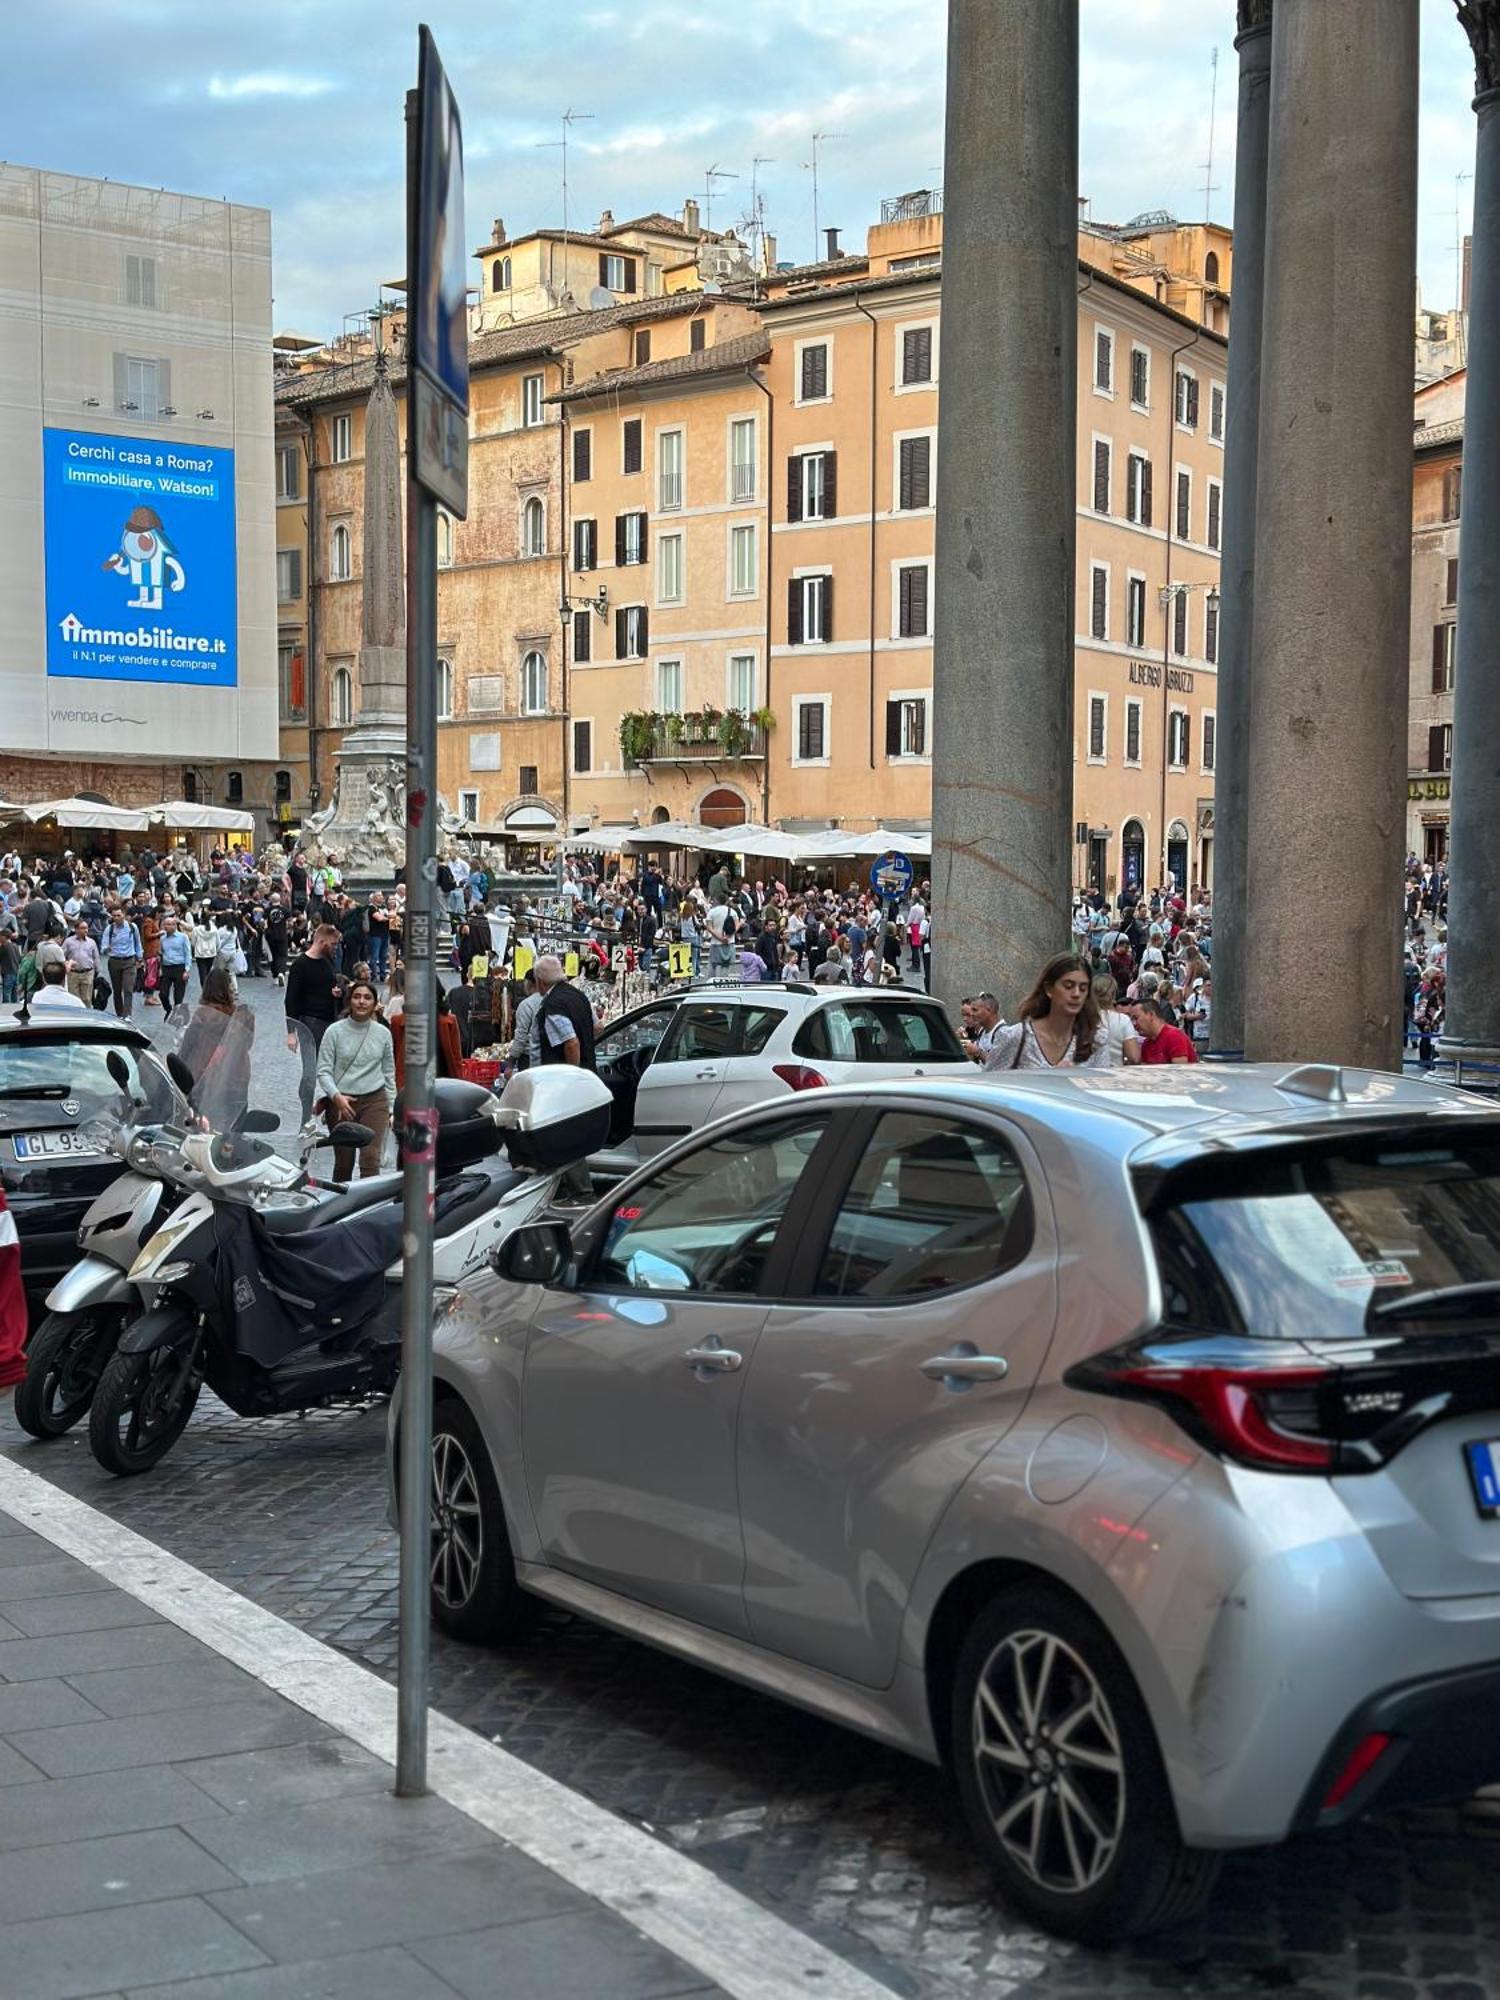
(767,254)
(832,238)
(690,216)
(497,230)
(606,223)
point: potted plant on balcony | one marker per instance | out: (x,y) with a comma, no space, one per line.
(734,733)
(637,735)
(674,728)
(764,720)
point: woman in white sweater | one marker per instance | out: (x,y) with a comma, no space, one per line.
(357,1078)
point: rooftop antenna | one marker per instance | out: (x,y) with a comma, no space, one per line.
(710,175)
(818,139)
(1209,187)
(755,222)
(569,118)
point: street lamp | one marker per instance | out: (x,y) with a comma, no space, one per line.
(598,603)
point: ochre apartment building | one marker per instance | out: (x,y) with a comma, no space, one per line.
(806,458)
(1437,502)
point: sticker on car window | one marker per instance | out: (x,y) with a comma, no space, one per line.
(1377,1271)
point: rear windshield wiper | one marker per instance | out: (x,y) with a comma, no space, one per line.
(37,1090)
(1445,1302)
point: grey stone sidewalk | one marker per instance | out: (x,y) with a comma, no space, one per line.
(170,1827)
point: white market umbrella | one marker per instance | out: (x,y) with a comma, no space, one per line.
(190,817)
(834,844)
(88,813)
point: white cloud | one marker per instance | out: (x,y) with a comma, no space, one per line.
(268,83)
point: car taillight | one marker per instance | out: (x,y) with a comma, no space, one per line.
(797,1076)
(1263,1415)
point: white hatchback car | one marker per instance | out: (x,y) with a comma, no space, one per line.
(707,1050)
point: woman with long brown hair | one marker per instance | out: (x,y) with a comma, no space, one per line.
(1059,1025)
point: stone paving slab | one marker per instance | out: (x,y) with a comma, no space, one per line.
(169,1825)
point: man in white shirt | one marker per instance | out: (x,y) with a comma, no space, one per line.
(52,996)
(722,924)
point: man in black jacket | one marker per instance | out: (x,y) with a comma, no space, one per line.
(566,1027)
(314,998)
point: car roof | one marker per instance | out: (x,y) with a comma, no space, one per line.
(1160,1117)
(758,991)
(66,1025)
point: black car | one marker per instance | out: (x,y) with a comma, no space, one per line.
(58,1107)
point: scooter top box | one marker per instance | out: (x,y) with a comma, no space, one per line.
(552,1116)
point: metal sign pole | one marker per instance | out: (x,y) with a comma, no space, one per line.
(418,1132)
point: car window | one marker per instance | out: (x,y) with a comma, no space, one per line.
(706,1223)
(1329,1240)
(639,1031)
(697,1032)
(33,1070)
(933,1204)
(893,1032)
(757,1025)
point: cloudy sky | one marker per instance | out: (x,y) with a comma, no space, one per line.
(296,105)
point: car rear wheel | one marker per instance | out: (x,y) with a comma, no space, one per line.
(64,1360)
(473,1574)
(1060,1776)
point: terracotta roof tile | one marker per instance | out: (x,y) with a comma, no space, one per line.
(725,357)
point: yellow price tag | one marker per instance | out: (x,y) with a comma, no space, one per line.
(525,958)
(680,961)
(570,965)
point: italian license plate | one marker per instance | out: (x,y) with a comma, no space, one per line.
(1484,1470)
(55,1146)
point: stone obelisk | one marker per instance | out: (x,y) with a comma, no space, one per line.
(363,830)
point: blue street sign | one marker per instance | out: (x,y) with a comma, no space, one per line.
(140,559)
(891,876)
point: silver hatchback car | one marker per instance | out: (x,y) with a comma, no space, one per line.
(1128,1441)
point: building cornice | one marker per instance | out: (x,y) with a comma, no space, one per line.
(1480,20)
(1254,18)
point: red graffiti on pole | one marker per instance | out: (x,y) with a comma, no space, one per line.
(416,808)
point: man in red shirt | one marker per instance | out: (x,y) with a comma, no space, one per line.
(1160,1043)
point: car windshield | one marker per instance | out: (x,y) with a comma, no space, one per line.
(1329,1242)
(892,1031)
(34,1071)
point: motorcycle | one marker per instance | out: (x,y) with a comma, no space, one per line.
(282,1300)
(89,1306)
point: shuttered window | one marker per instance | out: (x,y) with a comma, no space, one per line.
(585,545)
(630,631)
(1140,377)
(1215,516)
(911,594)
(630,540)
(906,726)
(914,483)
(583,746)
(1135,611)
(1450,590)
(1104,360)
(1444,651)
(1101,475)
(809,610)
(1210,741)
(1440,746)
(916,354)
(1211,631)
(583,455)
(814,372)
(1184,506)
(630,445)
(1096,727)
(1179,624)
(1099,602)
(1132,732)
(583,637)
(812,719)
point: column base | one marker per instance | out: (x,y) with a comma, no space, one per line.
(1474,1065)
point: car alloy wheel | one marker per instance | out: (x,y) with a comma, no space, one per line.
(1049,1763)
(457,1524)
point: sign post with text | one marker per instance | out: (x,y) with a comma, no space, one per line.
(437,471)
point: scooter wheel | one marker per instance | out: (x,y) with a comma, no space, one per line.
(64,1359)
(141,1408)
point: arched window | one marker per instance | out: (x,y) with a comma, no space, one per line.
(341,698)
(500,275)
(534,685)
(444,538)
(533,528)
(340,554)
(445,690)
(234,787)
(283,788)
(1211,267)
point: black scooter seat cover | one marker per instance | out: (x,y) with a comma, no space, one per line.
(279,1293)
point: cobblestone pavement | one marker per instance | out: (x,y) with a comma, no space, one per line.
(860,1846)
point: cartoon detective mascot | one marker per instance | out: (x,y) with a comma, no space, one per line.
(146,556)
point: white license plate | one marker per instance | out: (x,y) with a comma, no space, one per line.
(56,1146)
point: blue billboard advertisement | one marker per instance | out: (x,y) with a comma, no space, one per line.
(140,556)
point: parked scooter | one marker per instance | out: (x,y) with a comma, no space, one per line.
(292,1301)
(90,1305)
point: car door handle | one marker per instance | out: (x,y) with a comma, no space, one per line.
(706,1075)
(718,1360)
(966,1367)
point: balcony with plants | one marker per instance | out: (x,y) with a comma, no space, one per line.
(702,736)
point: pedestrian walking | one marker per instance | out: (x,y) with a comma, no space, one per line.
(566,1026)
(174,955)
(1057,1025)
(356,1077)
(82,964)
(314,994)
(122,952)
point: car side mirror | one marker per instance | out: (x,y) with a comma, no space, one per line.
(540,1253)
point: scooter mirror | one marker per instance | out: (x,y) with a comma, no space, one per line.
(179,1072)
(358,1136)
(257,1121)
(119,1069)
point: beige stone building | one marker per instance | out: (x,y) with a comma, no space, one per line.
(809,457)
(1437,499)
